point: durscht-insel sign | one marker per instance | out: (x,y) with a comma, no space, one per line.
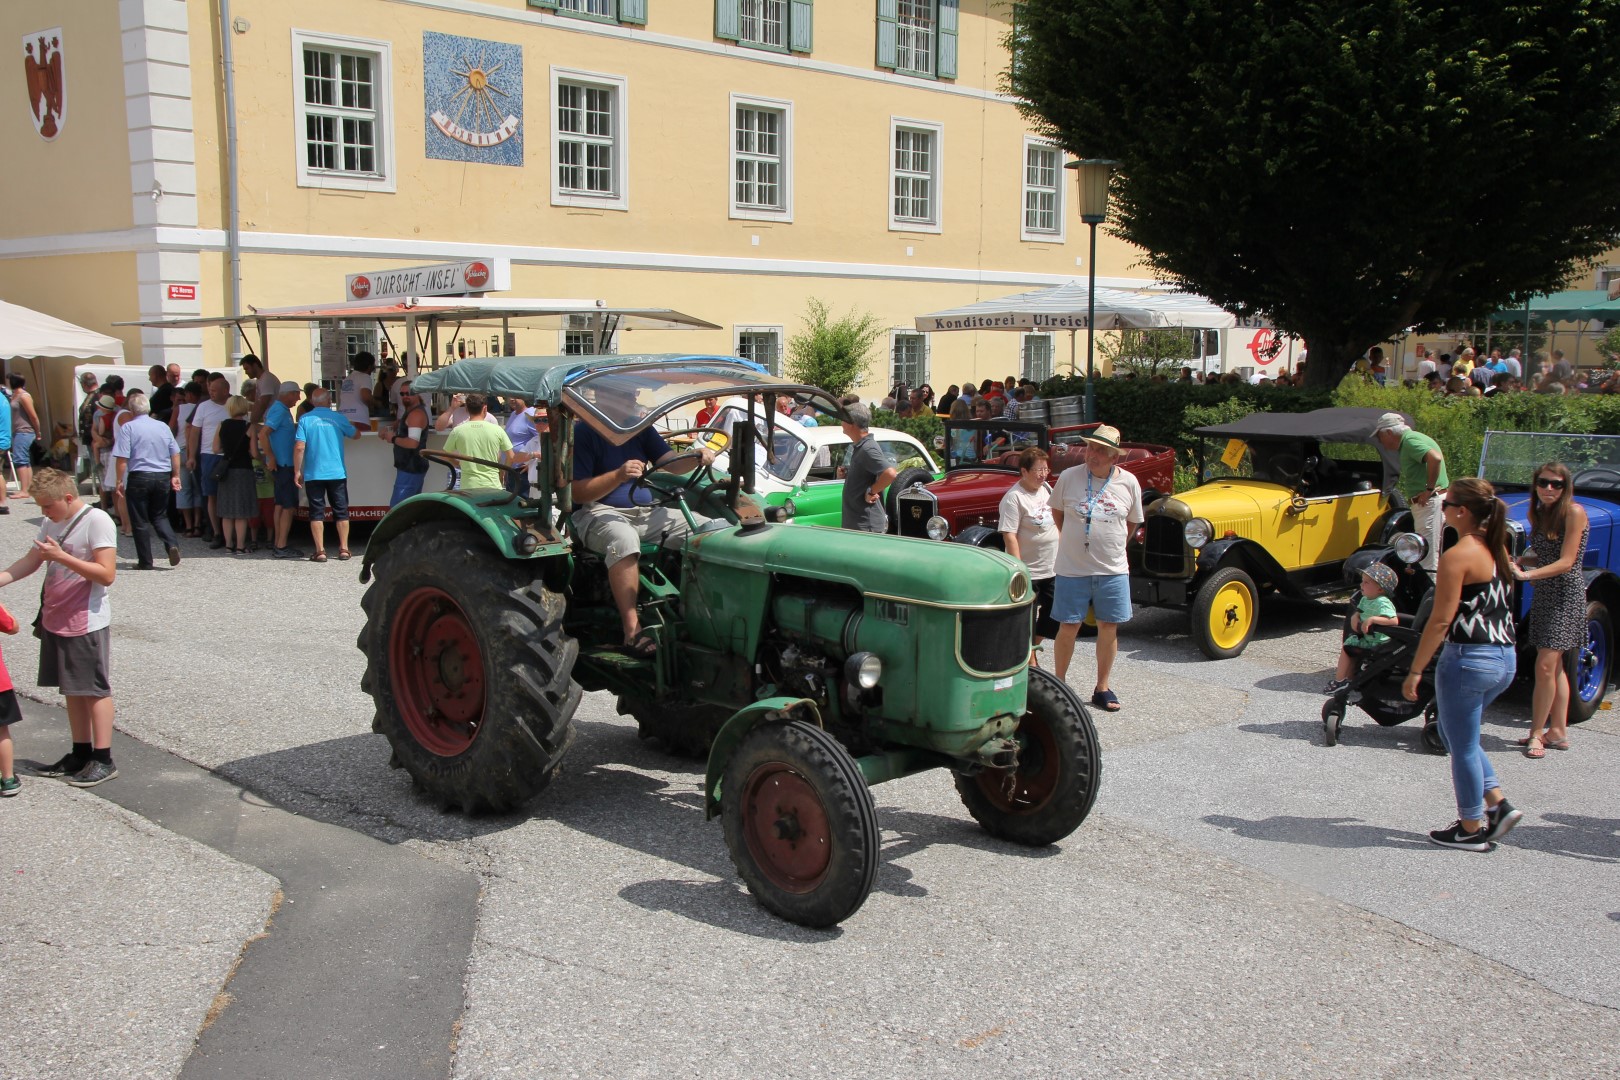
(440,279)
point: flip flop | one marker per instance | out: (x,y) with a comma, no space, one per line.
(1105,700)
(642,647)
(1533,750)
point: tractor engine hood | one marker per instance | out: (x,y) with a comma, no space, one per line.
(894,567)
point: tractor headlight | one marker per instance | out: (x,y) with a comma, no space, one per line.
(937,528)
(1019,587)
(1197,532)
(1409,547)
(864,670)
(526,543)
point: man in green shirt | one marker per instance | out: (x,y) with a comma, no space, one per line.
(480,437)
(1423,478)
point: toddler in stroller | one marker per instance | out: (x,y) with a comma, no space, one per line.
(1378,648)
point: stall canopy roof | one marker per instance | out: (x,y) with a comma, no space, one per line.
(1065,307)
(541,378)
(1572,305)
(1323,425)
(444,308)
(25,333)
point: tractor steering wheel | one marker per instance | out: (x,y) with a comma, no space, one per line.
(693,478)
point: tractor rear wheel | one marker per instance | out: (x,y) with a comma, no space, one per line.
(800,823)
(1059,764)
(469,669)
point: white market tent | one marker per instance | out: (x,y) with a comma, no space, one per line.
(34,344)
(1066,307)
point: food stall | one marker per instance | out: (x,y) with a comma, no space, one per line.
(424,332)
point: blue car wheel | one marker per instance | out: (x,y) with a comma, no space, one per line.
(1589,666)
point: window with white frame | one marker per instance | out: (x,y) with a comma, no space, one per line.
(579,337)
(344,112)
(1043,192)
(1037,357)
(908,353)
(761,165)
(762,345)
(779,25)
(1607,276)
(918,37)
(589,152)
(914,176)
(622,11)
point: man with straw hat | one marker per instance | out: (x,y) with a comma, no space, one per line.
(1095,509)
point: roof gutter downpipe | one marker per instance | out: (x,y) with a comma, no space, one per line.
(233,235)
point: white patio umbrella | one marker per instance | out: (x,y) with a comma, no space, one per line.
(1064,307)
(41,342)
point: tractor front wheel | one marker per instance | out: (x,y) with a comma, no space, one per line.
(1055,784)
(800,823)
(469,669)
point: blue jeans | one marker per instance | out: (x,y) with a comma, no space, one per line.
(1468,678)
(406,484)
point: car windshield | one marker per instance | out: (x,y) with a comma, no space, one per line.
(789,448)
(1509,459)
(971,443)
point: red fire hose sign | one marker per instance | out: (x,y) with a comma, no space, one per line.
(1261,348)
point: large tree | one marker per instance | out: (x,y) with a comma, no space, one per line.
(1347,168)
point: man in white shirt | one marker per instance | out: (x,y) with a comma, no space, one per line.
(200,432)
(1095,508)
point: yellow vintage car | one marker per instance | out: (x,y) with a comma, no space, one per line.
(1281,508)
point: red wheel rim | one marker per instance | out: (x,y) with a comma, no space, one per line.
(785,828)
(1029,788)
(438,672)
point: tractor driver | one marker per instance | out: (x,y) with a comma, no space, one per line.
(614,515)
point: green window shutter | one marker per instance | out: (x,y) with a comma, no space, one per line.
(548,5)
(633,11)
(888,11)
(945,62)
(799,25)
(728,19)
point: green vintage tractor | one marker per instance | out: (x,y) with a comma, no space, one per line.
(805,663)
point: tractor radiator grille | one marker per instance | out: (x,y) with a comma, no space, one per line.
(996,641)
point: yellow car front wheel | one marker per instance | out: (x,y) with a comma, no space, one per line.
(1224,613)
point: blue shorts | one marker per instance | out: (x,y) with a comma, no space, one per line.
(1108,596)
(321,492)
(205,475)
(286,491)
(22,444)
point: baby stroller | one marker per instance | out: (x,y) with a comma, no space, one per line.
(1375,685)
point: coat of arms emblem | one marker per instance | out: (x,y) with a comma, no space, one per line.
(47,86)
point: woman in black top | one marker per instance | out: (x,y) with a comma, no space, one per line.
(1473,613)
(238,492)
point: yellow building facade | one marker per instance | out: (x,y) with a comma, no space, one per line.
(731,159)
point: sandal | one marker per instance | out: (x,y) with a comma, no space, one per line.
(319,556)
(642,647)
(1533,749)
(1106,700)
(1555,744)
(343,555)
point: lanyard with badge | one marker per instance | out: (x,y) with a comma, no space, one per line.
(1091,499)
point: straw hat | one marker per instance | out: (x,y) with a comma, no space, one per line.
(1103,436)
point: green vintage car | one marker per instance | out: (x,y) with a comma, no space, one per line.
(804,462)
(805,664)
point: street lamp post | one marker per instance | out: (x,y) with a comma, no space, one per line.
(1092,174)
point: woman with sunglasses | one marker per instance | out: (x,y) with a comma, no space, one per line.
(1558,531)
(1473,612)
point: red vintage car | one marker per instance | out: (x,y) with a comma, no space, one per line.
(981,463)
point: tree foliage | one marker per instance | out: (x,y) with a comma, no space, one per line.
(832,353)
(1347,168)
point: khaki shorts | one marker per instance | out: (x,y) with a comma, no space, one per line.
(617,533)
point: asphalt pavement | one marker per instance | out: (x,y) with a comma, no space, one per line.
(1245,901)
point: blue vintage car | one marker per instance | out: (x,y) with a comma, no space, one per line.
(1509,460)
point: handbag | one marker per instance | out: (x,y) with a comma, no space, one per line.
(221,467)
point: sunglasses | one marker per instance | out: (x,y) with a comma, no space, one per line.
(1550,482)
(1449,505)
